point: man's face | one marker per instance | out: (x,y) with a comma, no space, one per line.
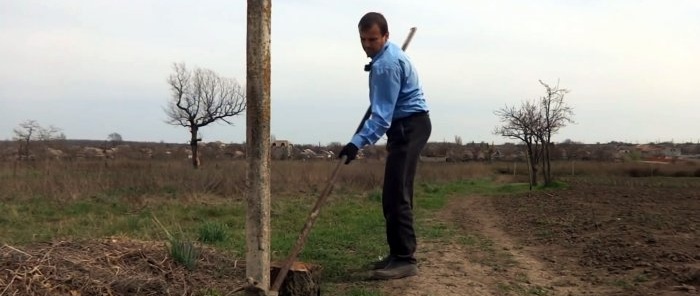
(373,41)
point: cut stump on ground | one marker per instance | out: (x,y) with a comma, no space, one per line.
(303,279)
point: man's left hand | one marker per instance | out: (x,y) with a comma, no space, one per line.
(350,151)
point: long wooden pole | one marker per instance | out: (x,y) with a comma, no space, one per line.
(258,146)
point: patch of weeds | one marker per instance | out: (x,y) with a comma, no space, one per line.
(503,287)
(126,191)
(518,289)
(212,232)
(375,196)
(468,240)
(537,290)
(512,188)
(184,252)
(522,278)
(430,188)
(641,278)
(554,185)
(362,292)
(79,208)
(133,223)
(170,191)
(203,212)
(544,233)
(622,283)
(437,231)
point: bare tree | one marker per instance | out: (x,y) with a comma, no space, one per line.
(555,114)
(200,97)
(522,124)
(29,131)
(534,123)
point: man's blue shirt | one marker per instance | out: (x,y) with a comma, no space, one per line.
(394,92)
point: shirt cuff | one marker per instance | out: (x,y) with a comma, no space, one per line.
(357,141)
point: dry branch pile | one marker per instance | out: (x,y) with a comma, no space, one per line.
(115,266)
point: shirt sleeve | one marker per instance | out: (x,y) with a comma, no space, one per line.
(385,84)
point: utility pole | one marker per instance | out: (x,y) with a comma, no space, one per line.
(258,146)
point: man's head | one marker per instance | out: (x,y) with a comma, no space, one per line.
(374,33)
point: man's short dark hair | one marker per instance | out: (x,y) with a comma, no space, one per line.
(374,18)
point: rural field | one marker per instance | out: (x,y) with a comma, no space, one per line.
(158,227)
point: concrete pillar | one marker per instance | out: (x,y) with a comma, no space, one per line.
(258,145)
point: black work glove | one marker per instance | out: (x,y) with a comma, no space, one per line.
(350,150)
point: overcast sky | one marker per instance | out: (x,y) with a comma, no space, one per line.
(94,67)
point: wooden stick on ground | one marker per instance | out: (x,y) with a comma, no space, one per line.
(304,235)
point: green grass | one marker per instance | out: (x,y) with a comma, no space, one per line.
(362,292)
(212,232)
(348,234)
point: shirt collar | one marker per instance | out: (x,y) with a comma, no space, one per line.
(368,67)
(378,55)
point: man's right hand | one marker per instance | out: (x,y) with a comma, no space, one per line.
(350,151)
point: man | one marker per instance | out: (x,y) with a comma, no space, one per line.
(399,110)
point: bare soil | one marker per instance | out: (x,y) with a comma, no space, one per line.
(638,238)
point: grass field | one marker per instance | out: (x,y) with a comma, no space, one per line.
(50,201)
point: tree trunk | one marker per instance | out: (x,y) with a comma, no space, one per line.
(545,159)
(25,151)
(194,147)
(548,165)
(529,166)
(532,163)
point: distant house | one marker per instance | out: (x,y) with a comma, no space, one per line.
(281,143)
(281,149)
(671,152)
(649,150)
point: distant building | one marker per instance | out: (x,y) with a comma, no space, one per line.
(672,152)
(281,149)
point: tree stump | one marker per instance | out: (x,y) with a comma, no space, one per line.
(303,279)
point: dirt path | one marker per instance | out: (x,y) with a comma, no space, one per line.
(488,262)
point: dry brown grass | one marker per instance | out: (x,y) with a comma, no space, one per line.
(75,180)
(112,266)
(65,180)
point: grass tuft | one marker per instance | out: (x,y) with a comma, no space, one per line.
(212,232)
(183,252)
(180,250)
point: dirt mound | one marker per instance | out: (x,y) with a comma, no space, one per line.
(114,266)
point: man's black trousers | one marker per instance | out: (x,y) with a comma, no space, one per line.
(406,138)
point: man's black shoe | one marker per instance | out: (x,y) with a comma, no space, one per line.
(381,264)
(396,269)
